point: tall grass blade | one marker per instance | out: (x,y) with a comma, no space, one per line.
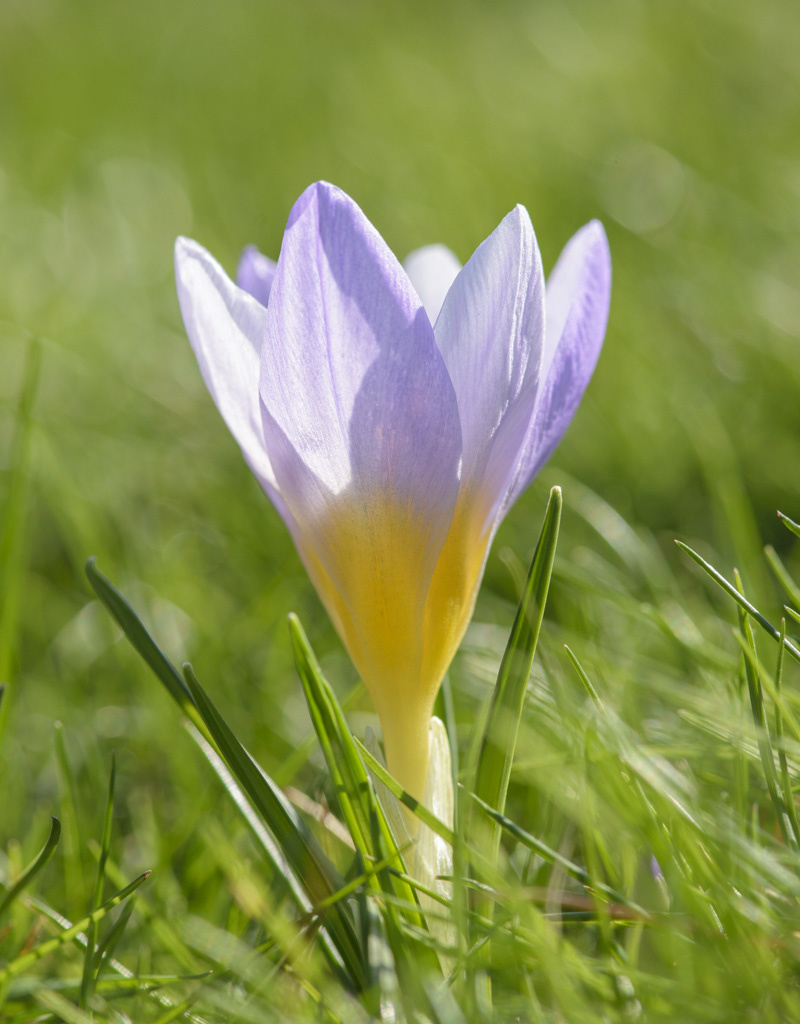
(306,858)
(87,981)
(299,846)
(13,548)
(352,783)
(136,632)
(786,782)
(781,574)
(496,754)
(756,695)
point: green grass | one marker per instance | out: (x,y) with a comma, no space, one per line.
(124,125)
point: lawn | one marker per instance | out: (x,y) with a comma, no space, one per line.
(123,126)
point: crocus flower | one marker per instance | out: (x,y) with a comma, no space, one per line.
(394,415)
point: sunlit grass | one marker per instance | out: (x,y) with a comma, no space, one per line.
(124,126)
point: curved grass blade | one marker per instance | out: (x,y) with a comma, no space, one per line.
(31,872)
(293,837)
(740,599)
(496,753)
(297,843)
(136,632)
(22,963)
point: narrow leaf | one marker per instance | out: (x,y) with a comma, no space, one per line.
(295,840)
(33,870)
(22,963)
(790,524)
(135,630)
(786,782)
(13,526)
(740,599)
(496,755)
(87,982)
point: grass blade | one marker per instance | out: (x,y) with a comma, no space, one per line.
(87,982)
(740,599)
(405,798)
(790,524)
(38,864)
(353,785)
(22,963)
(297,843)
(553,857)
(756,695)
(135,630)
(496,754)
(786,782)
(13,529)
(781,574)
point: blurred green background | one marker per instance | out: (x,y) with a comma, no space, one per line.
(123,125)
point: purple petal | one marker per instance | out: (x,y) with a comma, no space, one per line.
(432,270)
(491,334)
(255,274)
(226,328)
(362,427)
(578,296)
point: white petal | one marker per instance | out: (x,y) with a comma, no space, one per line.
(491,334)
(226,327)
(434,856)
(432,270)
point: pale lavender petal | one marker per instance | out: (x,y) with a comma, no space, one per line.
(226,327)
(578,297)
(491,333)
(255,274)
(432,270)
(359,413)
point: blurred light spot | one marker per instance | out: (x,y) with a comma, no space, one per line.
(151,208)
(111,721)
(85,637)
(642,186)
(779,303)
